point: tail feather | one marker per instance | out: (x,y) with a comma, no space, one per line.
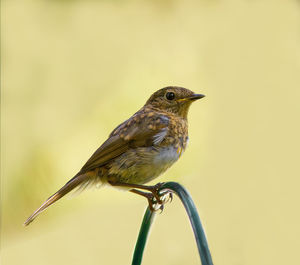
(76,181)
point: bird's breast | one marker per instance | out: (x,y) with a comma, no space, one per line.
(144,164)
(166,156)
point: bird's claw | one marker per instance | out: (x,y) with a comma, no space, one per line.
(154,206)
(166,196)
(159,198)
(156,192)
(161,208)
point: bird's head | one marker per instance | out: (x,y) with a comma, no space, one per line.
(173,99)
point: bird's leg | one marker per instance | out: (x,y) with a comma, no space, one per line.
(151,200)
(153,189)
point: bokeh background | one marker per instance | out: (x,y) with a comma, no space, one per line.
(73,70)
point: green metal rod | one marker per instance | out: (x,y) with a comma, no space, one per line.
(142,238)
(191,210)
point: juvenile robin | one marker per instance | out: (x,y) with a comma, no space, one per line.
(139,149)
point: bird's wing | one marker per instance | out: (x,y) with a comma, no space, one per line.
(138,131)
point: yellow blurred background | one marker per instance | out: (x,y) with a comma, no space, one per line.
(73,70)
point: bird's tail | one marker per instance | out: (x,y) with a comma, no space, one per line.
(78,181)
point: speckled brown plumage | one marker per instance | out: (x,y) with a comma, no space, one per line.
(139,149)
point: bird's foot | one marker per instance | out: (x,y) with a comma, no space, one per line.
(166,196)
(155,190)
(156,196)
(159,198)
(162,196)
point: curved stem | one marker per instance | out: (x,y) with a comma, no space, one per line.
(191,210)
(142,237)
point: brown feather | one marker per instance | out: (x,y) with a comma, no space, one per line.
(126,136)
(69,186)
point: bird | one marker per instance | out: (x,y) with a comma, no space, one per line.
(138,150)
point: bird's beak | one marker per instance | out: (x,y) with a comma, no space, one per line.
(192,98)
(196,96)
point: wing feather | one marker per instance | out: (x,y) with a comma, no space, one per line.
(132,133)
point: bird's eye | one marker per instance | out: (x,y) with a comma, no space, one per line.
(170,95)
